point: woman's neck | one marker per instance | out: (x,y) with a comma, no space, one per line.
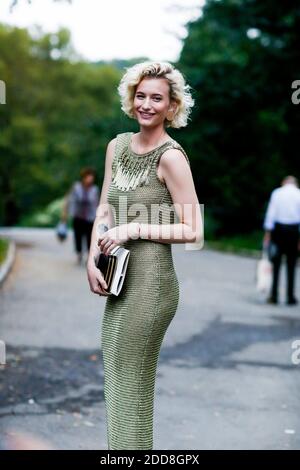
(150,137)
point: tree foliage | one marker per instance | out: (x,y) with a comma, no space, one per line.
(59,116)
(241,57)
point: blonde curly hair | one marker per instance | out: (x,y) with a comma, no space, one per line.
(180,92)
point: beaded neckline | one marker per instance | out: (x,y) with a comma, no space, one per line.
(146,153)
(133,169)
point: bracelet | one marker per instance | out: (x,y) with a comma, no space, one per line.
(141,236)
(134,235)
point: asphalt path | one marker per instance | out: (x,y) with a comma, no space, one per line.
(225,378)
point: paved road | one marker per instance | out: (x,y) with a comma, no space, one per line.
(225,377)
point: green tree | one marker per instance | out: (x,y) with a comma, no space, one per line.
(60,114)
(241,57)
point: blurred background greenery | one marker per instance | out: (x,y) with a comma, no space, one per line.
(239,56)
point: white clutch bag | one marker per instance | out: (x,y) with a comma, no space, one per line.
(114,267)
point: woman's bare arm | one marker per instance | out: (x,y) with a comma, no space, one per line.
(179,181)
(103,220)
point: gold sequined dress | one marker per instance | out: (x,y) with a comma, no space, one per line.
(135,322)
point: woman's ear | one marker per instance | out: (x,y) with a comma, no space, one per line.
(171,111)
(173,106)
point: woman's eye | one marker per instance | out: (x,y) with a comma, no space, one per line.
(156,98)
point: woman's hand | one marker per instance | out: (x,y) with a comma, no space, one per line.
(117,236)
(96,279)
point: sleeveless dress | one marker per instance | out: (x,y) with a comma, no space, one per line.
(135,322)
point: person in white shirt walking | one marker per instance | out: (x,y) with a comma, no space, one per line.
(282,227)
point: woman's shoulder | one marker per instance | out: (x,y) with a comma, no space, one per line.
(119,137)
(123,135)
(174,144)
(121,140)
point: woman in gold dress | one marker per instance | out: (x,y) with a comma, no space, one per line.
(146,173)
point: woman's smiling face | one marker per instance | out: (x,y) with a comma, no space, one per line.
(151,101)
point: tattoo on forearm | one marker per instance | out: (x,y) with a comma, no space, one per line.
(102,228)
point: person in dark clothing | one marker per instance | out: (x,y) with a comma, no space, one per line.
(282,226)
(81,203)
